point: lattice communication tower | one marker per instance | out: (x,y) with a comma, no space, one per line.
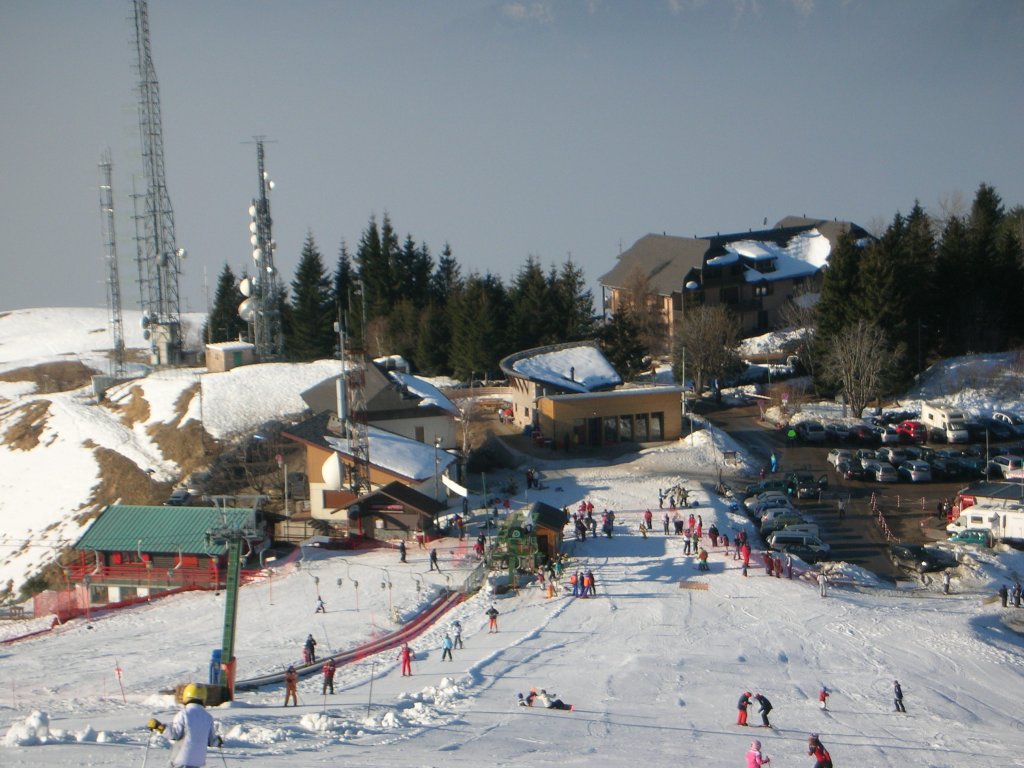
(261,307)
(160,260)
(118,368)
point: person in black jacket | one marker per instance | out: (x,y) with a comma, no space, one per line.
(766,707)
(897,696)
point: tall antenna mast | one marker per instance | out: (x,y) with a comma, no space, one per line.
(117,363)
(161,310)
(261,308)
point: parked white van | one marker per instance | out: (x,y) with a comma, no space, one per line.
(947,422)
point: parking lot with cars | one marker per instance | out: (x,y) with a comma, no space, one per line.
(910,501)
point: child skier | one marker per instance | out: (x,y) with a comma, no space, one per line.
(754,757)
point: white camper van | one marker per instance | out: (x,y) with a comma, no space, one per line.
(1005,522)
(945,423)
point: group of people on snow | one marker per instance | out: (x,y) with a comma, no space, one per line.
(765,707)
(543,698)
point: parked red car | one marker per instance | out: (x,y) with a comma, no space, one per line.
(912,431)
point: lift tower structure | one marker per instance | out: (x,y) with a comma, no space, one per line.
(160,257)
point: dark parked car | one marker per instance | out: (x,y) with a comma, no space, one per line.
(862,434)
(946,464)
(778,484)
(804,485)
(996,430)
(850,470)
(179,498)
(922,559)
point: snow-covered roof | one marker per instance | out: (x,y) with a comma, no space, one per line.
(624,392)
(231,346)
(399,455)
(427,392)
(580,367)
(804,254)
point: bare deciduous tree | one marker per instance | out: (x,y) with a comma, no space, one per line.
(800,312)
(856,360)
(639,299)
(708,341)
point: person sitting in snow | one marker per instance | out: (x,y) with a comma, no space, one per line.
(547,700)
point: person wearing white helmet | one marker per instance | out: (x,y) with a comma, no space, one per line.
(754,757)
(193,727)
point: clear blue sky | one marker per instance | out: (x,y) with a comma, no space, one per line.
(504,128)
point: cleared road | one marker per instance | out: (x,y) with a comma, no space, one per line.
(908,510)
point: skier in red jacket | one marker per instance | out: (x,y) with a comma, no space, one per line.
(817,750)
(406,655)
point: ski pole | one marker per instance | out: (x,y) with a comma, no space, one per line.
(222,758)
(145,755)
(369,700)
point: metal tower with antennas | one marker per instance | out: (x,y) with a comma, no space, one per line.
(161,310)
(118,368)
(260,308)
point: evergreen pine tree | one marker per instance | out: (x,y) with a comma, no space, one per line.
(312,309)
(374,271)
(531,319)
(344,287)
(622,343)
(224,324)
(479,337)
(573,304)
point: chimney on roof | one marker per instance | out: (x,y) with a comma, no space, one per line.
(572,373)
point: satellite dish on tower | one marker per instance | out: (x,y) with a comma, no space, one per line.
(246,310)
(245,288)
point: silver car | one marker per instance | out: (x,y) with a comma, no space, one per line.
(882,471)
(915,471)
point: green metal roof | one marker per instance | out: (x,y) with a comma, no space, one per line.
(125,528)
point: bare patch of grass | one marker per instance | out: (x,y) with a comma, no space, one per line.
(120,480)
(29,423)
(136,408)
(61,376)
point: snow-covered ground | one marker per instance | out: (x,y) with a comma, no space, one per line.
(653,666)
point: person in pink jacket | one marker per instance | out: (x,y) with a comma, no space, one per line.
(754,757)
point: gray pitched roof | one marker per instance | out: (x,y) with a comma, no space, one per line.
(667,260)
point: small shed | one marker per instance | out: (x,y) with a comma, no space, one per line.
(548,523)
(393,512)
(225,355)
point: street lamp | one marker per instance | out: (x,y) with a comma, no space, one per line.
(689,286)
(437,467)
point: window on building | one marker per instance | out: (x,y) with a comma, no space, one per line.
(763,289)
(658,426)
(579,432)
(611,434)
(642,422)
(625,427)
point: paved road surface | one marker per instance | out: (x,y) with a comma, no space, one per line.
(908,510)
